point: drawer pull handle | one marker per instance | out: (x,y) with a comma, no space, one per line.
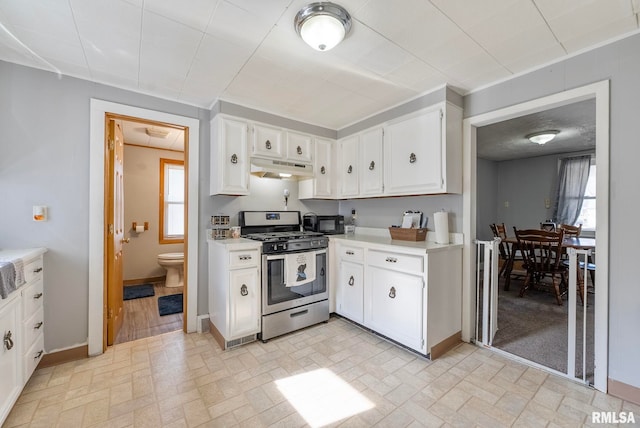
(323,170)
(297,314)
(391,260)
(234,158)
(38,270)
(372,165)
(39,354)
(37,296)
(350,169)
(351,280)
(412,158)
(8,341)
(246,257)
(299,150)
(392,292)
(267,144)
(244,290)
(38,325)
(349,252)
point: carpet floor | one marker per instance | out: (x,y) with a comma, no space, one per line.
(171,304)
(536,328)
(137,291)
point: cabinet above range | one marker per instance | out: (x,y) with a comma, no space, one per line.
(240,147)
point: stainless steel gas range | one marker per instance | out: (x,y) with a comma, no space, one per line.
(295,292)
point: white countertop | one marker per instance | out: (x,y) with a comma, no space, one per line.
(26,254)
(377,236)
(236,244)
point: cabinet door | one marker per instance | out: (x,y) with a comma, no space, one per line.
(413,154)
(394,306)
(267,142)
(229,157)
(299,147)
(371,177)
(348,164)
(244,303)
(10,354)
(349,292)
(323,169)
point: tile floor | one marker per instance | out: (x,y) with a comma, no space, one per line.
(332,374)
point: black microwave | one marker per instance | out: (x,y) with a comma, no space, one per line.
(326,224)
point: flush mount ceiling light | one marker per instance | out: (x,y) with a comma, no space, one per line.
(542,137)
(322,25)
(158,133)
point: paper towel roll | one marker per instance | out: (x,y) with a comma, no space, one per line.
(441,224)
(139,229)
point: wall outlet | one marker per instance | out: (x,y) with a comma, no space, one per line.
(506,204)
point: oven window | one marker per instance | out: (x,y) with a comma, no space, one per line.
(277,292)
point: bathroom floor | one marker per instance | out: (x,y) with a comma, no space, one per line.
(141,317)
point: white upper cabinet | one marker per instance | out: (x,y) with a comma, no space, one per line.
(423,152)
(348,164)
(371,162)
(267,142)
(229,156)
(322,186)
(299,147)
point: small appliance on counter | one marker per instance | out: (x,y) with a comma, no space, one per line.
(325,224)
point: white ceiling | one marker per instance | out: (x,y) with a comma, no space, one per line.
(148,135)
(247,51)
(507,140)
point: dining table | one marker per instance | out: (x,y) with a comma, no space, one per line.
(577,242)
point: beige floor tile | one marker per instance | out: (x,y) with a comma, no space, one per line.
(177,380)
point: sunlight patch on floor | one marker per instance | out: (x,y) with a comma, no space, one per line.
(321,397)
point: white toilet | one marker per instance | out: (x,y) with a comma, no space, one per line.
(174,264)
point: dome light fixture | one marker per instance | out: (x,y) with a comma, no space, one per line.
(322,25)
(542,137)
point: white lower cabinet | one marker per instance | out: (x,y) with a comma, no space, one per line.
(409,294)
(394,306)
(349,293)
(234,291)
(10,356)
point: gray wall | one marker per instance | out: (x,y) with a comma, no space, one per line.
(44,160)
(620,63)
(487,199)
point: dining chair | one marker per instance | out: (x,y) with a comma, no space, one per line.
(500,231)
(542,252)
(570,230)
(548,226)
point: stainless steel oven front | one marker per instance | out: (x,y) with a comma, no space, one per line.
(277,296)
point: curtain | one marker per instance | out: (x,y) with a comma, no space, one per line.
(572,182)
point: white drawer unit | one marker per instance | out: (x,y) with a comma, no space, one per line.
(21,327)
(396,261)
(244,258)
(354,254)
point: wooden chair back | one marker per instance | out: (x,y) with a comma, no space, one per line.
(500,232)
(541,249)
(548,226)
(570,230)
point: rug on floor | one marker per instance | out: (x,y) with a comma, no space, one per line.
(137,291)
(171,304)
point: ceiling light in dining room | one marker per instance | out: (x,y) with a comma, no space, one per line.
(542,137)
(322,25)
(158,133)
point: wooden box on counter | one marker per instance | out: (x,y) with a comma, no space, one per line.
(406,234)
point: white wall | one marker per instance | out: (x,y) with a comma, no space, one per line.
(142,203)
(619,63)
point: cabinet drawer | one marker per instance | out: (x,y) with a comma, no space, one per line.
(403,262)
(353,254)
(32,297)
(33,356)
(33,270)
(31,328)
(244,258)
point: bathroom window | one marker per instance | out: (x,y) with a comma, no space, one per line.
(171,201)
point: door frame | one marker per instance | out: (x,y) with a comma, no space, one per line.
(600,92)
(98,111)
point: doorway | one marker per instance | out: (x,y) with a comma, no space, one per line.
(599,91)
(97,268)
(145,296)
